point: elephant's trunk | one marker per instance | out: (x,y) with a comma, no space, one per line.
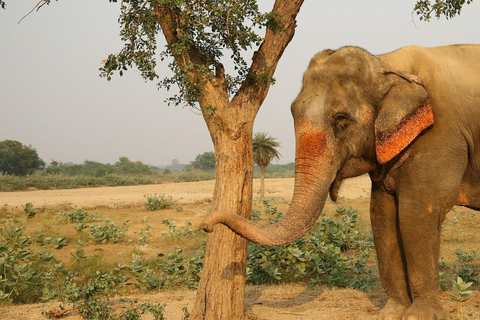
(314,174)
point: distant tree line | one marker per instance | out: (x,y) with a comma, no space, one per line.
(97,169)
(21,168)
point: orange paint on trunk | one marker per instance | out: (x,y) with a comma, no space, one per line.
(311,145)
(390,145)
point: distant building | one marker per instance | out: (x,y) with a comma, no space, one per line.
(176,165)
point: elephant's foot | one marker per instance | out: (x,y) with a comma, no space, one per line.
(393,310)
(425,309)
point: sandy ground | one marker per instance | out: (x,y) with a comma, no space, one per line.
(262,302)
(187,192)
(281,302)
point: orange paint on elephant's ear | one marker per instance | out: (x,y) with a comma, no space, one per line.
(311,145)
(390,145)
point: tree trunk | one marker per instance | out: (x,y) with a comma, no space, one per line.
(220,294)
(262,183)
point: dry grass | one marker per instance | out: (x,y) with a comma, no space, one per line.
(289,301)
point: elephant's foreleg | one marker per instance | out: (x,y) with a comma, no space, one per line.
(391,262)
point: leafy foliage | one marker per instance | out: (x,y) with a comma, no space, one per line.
(29,210)
(18,159)
(276,171)
(318,256)
(26,275)
(144,232)
(78,216)
(204,32)
(184,232)
(174,270)
(155,202)
(29,272)
(204,161)
(108,232)
(466,270)
(459,288)
(96,169)
(447,8)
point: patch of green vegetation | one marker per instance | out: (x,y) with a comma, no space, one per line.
(333,253)
(174,233)
(77,216)
(157,202)
(108,232)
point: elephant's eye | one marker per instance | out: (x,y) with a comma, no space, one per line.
(342,121)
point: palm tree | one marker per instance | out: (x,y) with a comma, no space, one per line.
(264,151)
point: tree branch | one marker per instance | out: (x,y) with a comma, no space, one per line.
(40,4)
(265,60)
(169,22)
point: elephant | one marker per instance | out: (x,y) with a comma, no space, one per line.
(411,120)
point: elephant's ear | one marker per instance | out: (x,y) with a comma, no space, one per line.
(404,112)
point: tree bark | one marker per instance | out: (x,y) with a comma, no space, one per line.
(220,294)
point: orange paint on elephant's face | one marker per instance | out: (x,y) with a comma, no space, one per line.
(311,145)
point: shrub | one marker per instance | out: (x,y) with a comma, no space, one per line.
(195,175)
(155,202)
(466,270)
(316,256)
(144,232)
(109,231)
(184,232)
(26,275)
(78,216)
(172,271)
(255,214)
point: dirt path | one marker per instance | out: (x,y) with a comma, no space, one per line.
(186,192)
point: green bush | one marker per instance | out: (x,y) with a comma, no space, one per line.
(318,256)
(184,232)
(173,271)
(108,232)
(155,202)
(195,175)
(466,270)
(27,275)
(78,216)
(144,232)
(332,253)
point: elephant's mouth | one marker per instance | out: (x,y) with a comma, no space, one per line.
(335,187)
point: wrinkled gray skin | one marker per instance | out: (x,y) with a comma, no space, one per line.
(411,119)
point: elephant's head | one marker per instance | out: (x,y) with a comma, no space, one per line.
(351,115)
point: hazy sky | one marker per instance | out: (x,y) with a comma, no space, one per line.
(52,98)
